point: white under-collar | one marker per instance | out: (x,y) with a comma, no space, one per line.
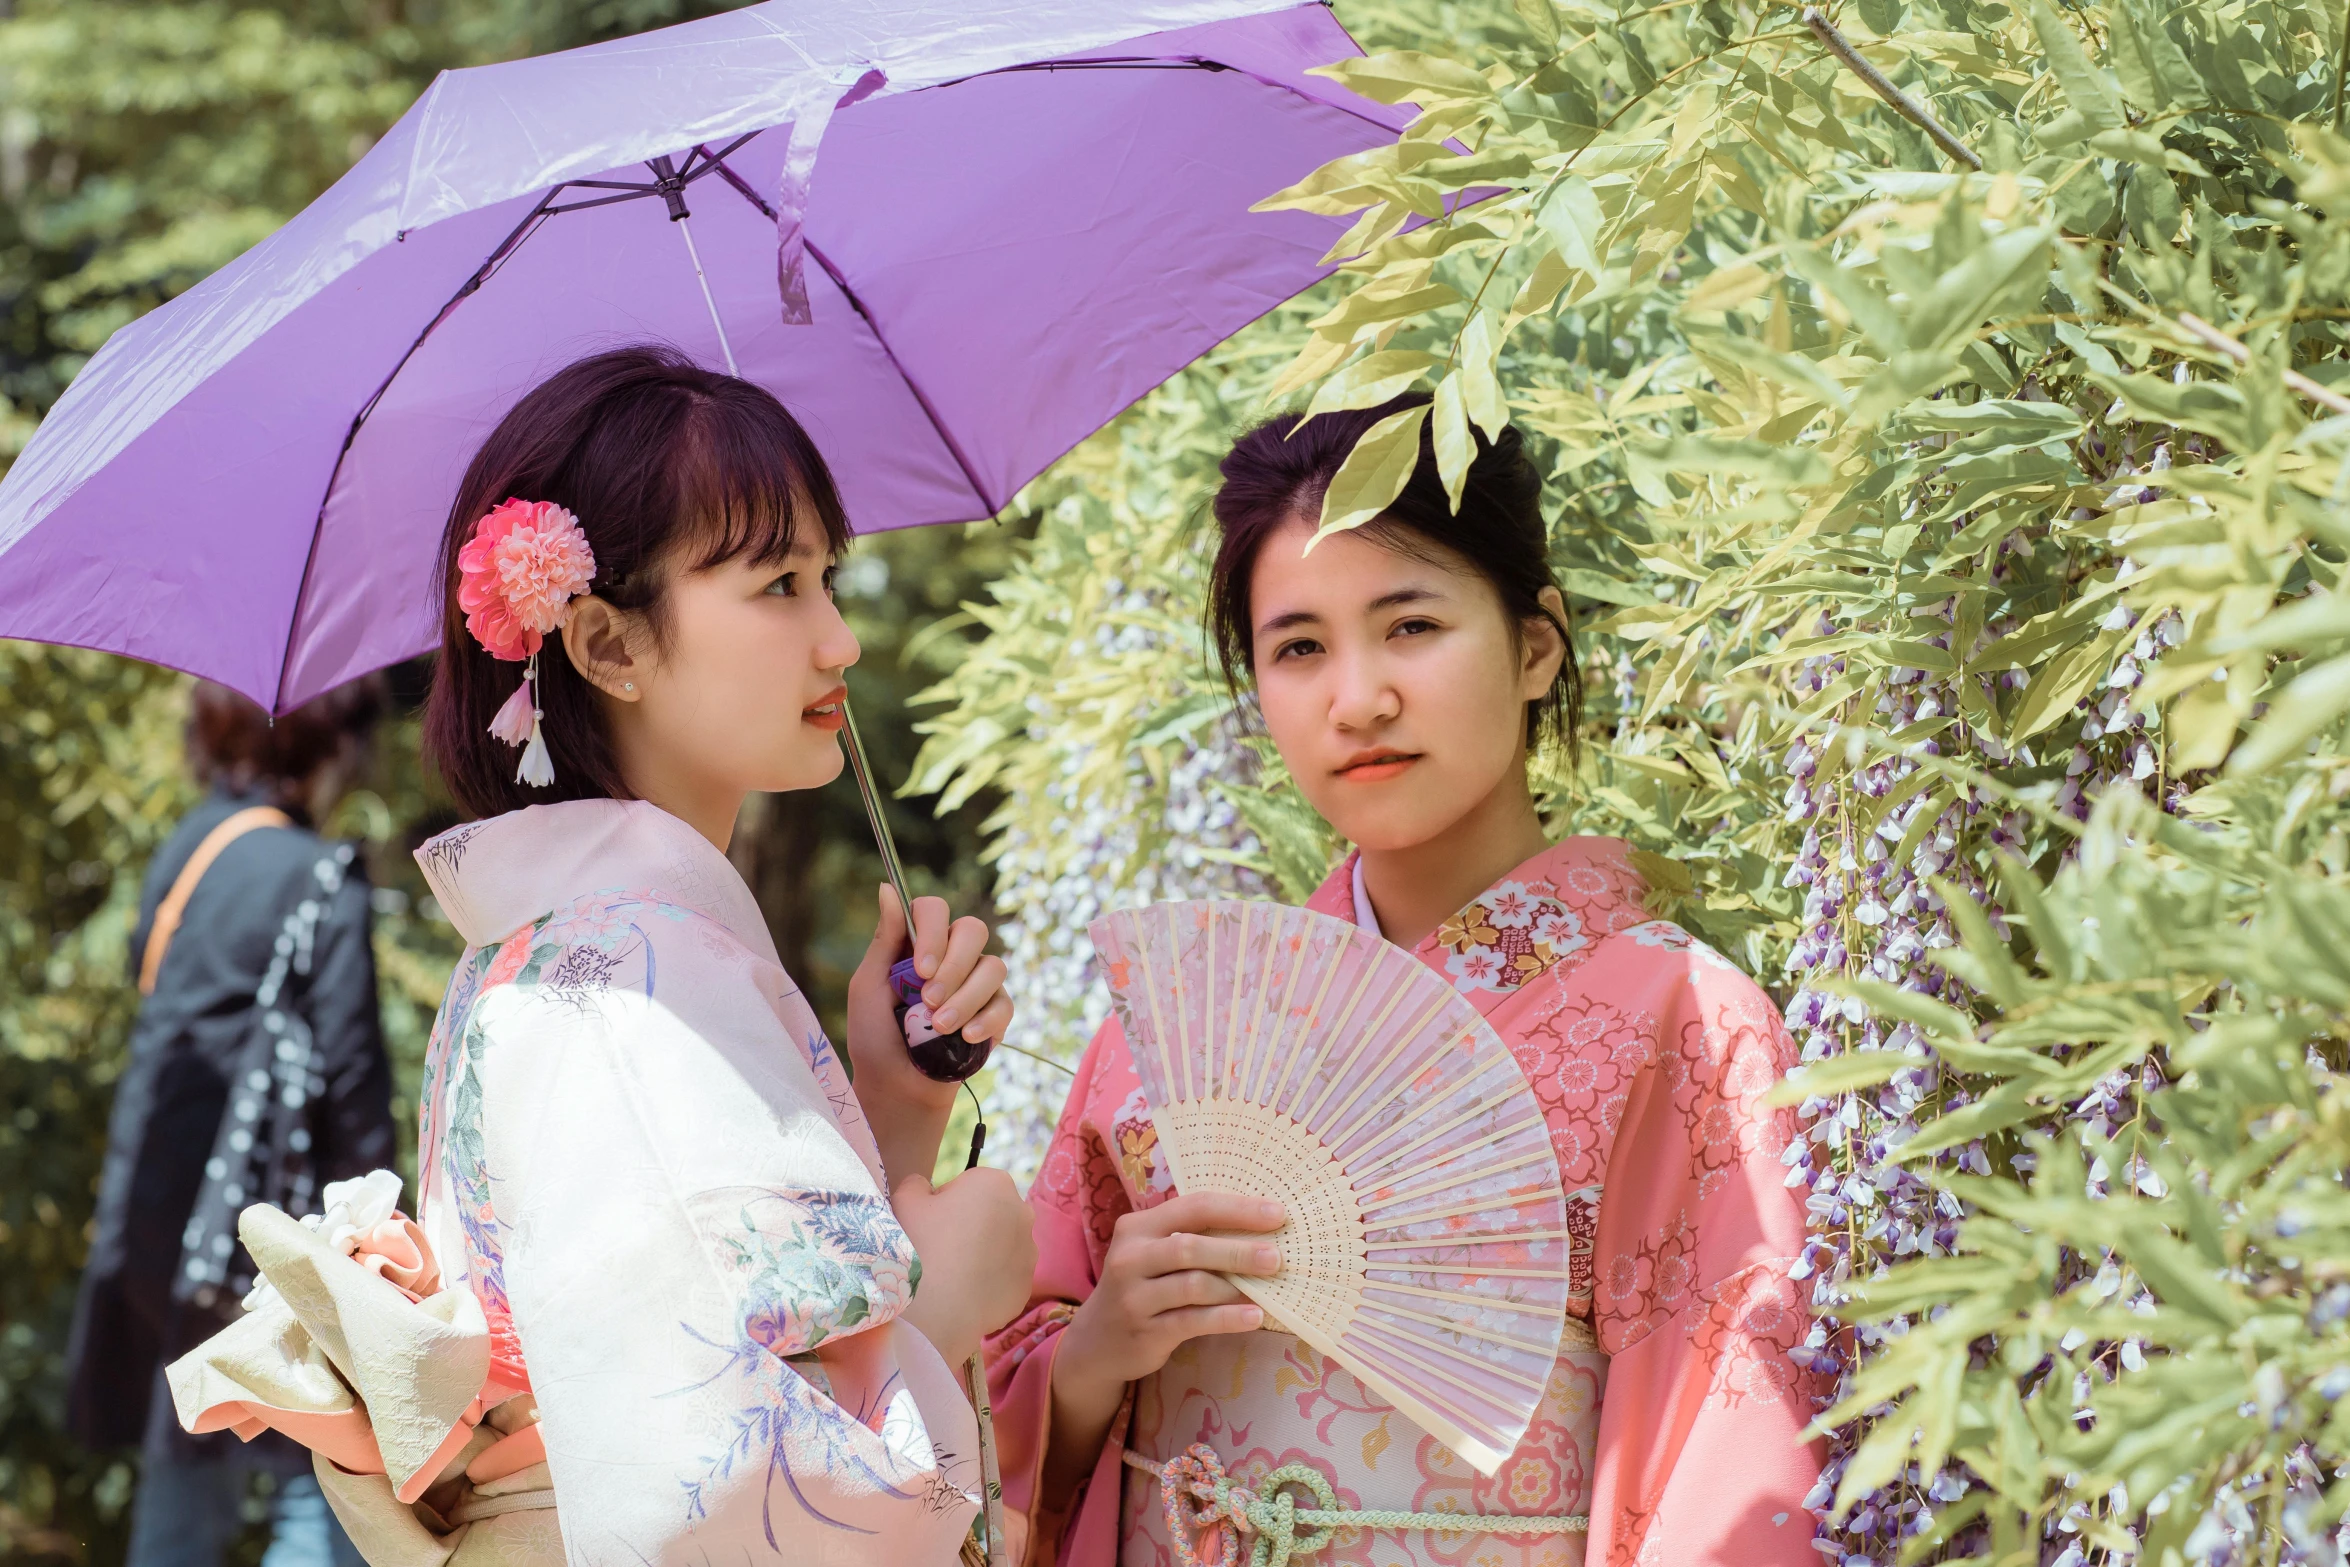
(1366,917)
(494,876)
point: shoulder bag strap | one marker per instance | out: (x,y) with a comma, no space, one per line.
(175,902)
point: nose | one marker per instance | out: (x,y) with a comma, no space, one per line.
(836,645)
(1361,696)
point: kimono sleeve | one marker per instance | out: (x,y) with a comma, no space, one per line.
(701,1274)
(1701,1459)
(1077,1199)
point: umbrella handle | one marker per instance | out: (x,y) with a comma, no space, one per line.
(960,1053)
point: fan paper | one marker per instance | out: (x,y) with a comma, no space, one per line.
(1290,1055)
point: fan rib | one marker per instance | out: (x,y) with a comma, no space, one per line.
(1369,978)
(1218,1067)
(1495,1139)
(1452,1351)
(1463,1178)
(1486,1206)
(1264,1048)
(1507,1094)
(1150,992)
(1483,1333)
(1459,1298)
(1403,1042)
(1466,1271)
(1263,1091)
(1373,1110)
(1182,1013)
(1444,1242)
(1365,1326)
(1506,1098)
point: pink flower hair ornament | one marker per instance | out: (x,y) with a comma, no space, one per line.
(516,578)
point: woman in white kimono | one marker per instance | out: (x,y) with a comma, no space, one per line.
(677,1291)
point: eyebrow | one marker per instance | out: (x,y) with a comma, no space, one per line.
(1302,617)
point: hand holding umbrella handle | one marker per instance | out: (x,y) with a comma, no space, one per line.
(943,1058)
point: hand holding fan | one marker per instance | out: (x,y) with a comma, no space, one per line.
(1290,1055)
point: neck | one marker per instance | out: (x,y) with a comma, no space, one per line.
(1418,887)
(708,809)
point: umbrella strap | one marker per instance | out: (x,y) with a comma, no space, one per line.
(1199,1496)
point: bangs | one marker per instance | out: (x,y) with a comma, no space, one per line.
(748,482)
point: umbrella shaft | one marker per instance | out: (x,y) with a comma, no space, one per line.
(870,794)
(724,347)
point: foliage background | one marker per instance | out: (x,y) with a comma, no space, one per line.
(142,145)
(1955,526)
(1959,617)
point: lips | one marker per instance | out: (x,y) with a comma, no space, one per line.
(830,712)
(1373,766)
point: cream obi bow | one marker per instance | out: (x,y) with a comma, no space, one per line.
(351,1347)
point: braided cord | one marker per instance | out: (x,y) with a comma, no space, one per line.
(1207,1532)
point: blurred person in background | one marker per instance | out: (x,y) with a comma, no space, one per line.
(257,1073)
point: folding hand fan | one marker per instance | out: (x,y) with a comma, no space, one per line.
(1289,1055)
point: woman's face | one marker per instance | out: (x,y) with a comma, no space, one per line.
(1392,686)
(745,694)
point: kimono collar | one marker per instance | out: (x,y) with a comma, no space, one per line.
(1614,894)
(494,876)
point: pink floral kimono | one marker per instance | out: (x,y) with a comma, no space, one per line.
(665,1323)
(1674,1416)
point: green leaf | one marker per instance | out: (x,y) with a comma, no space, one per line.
(2154,73)
(1541,20)
(1373,474)
(1580,583)
(1842,1074)
(2085,87)
(1406,75)
(2313,703)
(1480,387)
(1572,219)
(1454,446)
(1371,380)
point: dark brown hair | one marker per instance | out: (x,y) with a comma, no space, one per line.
(669,468)
(233,745)
(1281,469)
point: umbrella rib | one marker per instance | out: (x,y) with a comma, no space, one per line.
(506,247)
(955,450)
(946,437)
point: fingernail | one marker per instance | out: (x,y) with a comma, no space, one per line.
(926,966)
(944,1021)
(1254,1316)
(1269,1209)
(1268,1258)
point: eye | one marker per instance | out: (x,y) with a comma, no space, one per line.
(831,580)
(1296,647)
(787,586)
(1415,626)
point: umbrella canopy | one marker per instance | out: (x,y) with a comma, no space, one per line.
(954,239)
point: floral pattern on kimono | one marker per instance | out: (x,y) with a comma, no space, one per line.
(1674,1415)
(652,1172)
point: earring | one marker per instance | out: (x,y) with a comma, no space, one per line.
(628,685)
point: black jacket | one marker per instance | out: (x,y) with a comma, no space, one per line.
(174,1090)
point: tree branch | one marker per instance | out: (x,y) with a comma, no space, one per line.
(1903,104)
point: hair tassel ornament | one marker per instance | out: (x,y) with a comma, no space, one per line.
(517,576)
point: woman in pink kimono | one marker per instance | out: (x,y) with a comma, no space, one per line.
(676,1291)
(1404,670)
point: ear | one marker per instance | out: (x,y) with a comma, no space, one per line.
(1546,650)
(597,639)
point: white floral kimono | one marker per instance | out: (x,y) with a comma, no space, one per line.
(670,1274)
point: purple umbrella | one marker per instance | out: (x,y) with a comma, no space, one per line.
(1024,217)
